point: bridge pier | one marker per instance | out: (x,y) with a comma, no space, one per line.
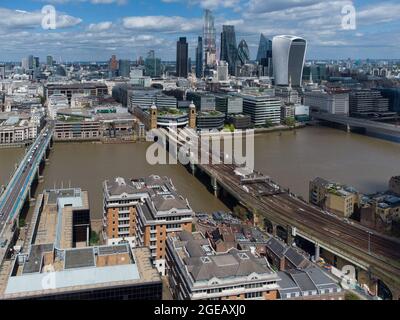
(274,229)
(193,168)
(214,184)
(290,237)
(317,254)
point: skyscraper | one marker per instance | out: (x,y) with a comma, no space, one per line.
(124,68)
(229,51)
(264,56)
(199,58)
(210,40)
(182,55)
(113,66)
(264,49)
(152,65)
(288,56)
(243,52)
(50,61)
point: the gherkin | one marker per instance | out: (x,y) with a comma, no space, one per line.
(243,52)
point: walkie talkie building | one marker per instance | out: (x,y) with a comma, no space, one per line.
(288,56)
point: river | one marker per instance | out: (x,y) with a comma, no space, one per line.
(291,159)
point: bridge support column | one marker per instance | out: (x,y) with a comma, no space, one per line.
(274,229)
(193,168)
(290,238)
(317,252)
(214,184)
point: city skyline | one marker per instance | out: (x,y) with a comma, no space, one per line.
(95,30)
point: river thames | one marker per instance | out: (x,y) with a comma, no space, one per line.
(291,159)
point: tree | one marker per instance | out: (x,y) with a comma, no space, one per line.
(268,123)
(94,238)
(290,122)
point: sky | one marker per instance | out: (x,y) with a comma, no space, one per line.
(93,30)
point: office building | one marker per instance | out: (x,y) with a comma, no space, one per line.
(308,284)
(2,71)
(287,95)
(77,130)
(153,67)
(332,101)
(394,185)
(262,108)
(182,55)
(49,61)
(143,212)
(364,102)
(210,39)
(210,120)
(229,104)
(203,101)
(288,56)
(113,65)
(146,98)
(243,53)
(229,49)
(197,272)
(199,58)
(222,71)
(333,197)
(264,57)
(85,88)
(17,131)
(124,68)
(57,264)
(393,94)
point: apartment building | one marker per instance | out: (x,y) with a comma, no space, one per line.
(197,272)
(56,262)
(143,212)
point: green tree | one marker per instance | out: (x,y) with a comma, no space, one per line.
(268,123)
(290,122)
(94,238)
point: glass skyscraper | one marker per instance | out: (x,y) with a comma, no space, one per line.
(243,52)
(182,55)
(288,55)
(229,49)
(199,58)
(210,39)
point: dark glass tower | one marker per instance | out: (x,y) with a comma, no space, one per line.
(182,56)
(264,56)
(199,58)
(229,51)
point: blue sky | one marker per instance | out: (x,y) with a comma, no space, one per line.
(93,30)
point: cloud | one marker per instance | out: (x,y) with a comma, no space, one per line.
(163,24)
(102,26)
(16,19)
(119,2)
